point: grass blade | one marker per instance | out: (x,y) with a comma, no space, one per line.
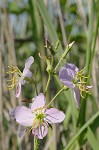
(47,21)
(81,130)
(92,140)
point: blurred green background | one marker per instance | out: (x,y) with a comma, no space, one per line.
(24,26)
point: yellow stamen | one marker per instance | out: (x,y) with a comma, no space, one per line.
(33,124)
(81,84)
(81,94)
(41,108)
(37,121)
(82,70)
(13,69)
(10,87)
(13,83)
(84,76)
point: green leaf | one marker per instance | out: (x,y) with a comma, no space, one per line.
(47,21)
(92,139)
(90,35)
(75,137)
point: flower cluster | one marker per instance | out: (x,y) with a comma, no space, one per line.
(39,116)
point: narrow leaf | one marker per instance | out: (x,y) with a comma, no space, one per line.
(92,139)
(75,137)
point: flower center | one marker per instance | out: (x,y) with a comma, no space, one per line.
(39,118)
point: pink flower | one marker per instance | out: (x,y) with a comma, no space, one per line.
(38,116)
(22,77)
(73,78)
(26,74)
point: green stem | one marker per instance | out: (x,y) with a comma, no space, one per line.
(64,55)
(36,88)
(47,85)
(35,143)
(58,64)
(64,88)
(68,116)
(90,36)
(82,113)
(81,130)
(95,39)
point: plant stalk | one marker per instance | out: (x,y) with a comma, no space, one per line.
(35,143)
(64,88)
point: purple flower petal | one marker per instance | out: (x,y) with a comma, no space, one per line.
(72,67)
(12,112)
(89,87)
(24,116)
(29,74)
(68,83)
(77,96)
(39,101)
(53,115)
(21,132)
(66,77)
(18,90)
(28,62)
(26,73)
(41,131)
(64,74)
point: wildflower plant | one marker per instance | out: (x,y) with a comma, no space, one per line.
(39,116)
